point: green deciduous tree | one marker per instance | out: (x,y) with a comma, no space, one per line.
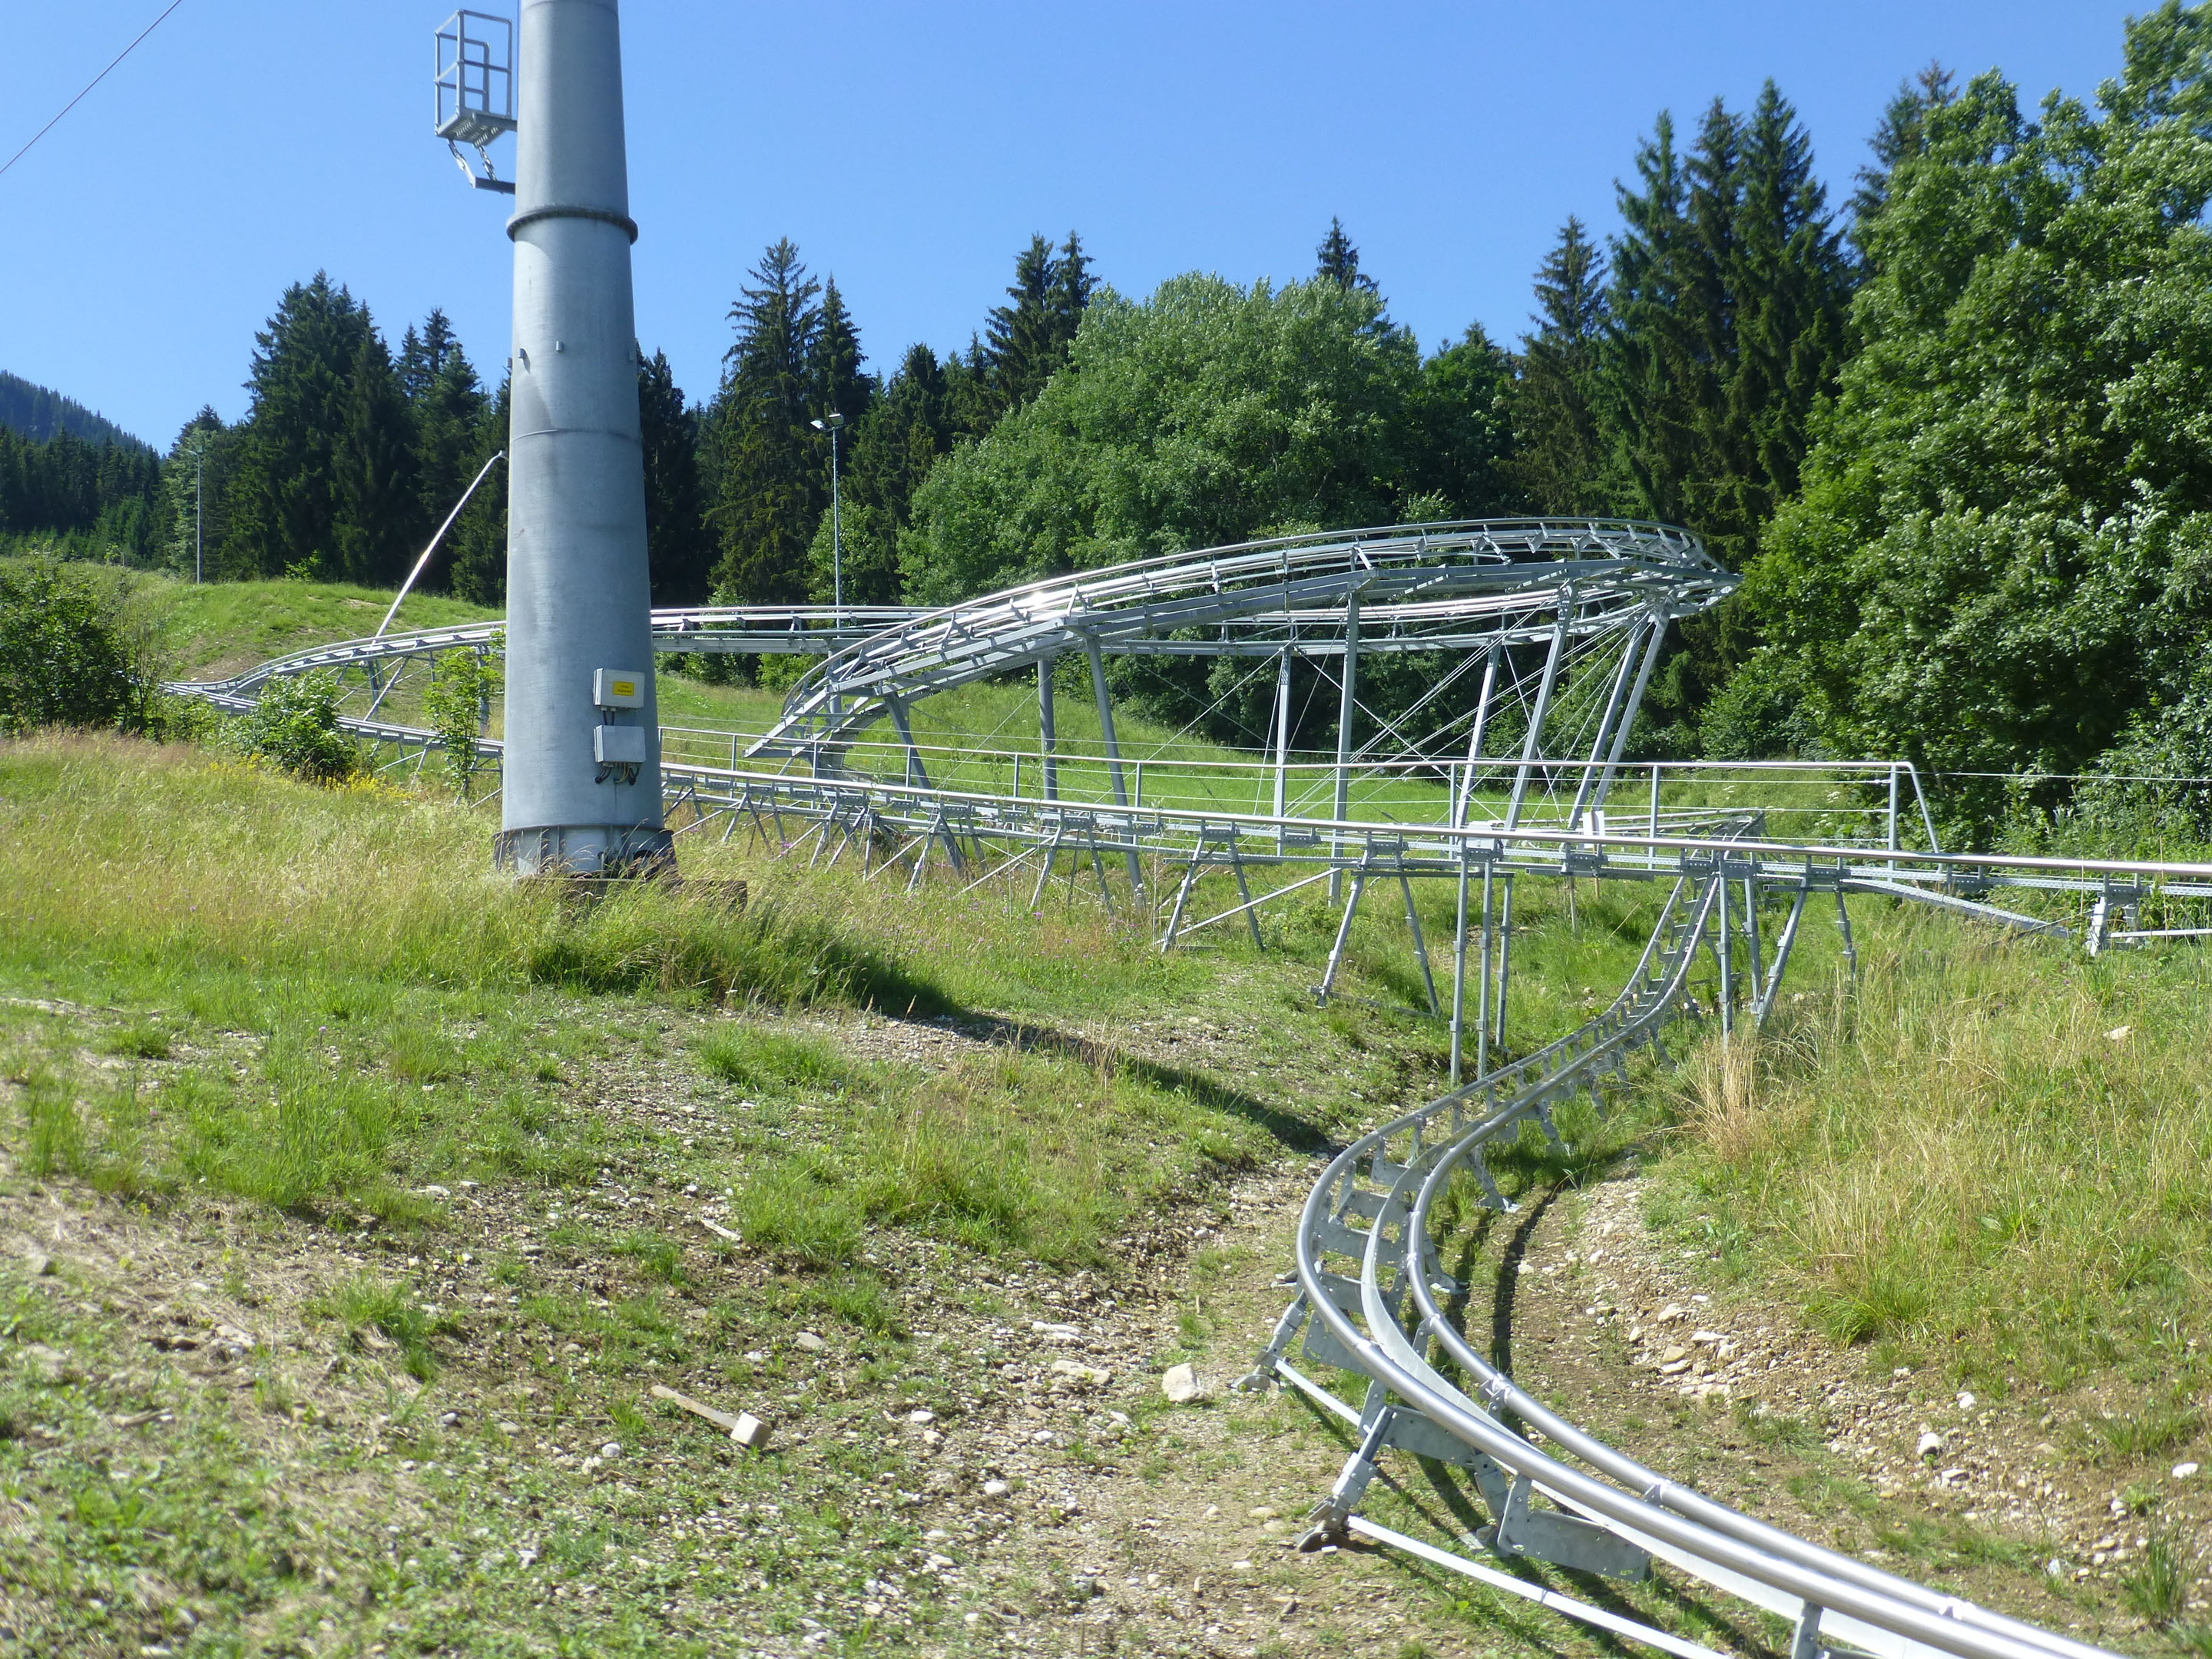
(1206,414)
(2002,556)
(294,725)
(72,651)
(458,702)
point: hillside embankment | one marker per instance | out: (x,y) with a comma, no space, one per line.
(353,1205)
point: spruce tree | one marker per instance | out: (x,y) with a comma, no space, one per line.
(1730,296)
(771,490)
(379,527)
(1898,137)
(1338,261)
(677,550)
(474,554)
(281,494)
(192,492)
(1027,342)
(450,409)
(1560,459)
(835,360)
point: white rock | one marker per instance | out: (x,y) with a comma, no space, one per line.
(996,1489)
(1181,1385)
(1057,1333)
(433,1192)
(1965,1399)
(1043,1436)
(919,1418)
(612,1448)
(1931,1444)
(2182,1471)
(2119,1033)
(1668,1315)
(809,1342)
(1708,1337)
(751,1432)
(1075,1372)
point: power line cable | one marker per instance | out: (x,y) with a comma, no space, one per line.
(88,86)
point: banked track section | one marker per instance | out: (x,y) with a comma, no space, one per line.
(1367,1303)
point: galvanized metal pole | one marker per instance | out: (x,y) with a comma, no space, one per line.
(836,539)
(1652,854)
(1046,741)
(1504,958)
(1542,708)
(1282,739)
(1482,987)
(1627,718)
(1474,734)
(1113,753)
(1892,815)
(1346,708)
(1598,746)
(582,774)
(1724,948)
(1458,968)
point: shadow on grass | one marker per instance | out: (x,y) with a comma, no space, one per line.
(1293,1132)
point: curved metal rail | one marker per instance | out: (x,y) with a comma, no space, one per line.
(1375,1204)
(1418,587)
(764,630)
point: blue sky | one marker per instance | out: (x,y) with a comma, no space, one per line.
(908,149)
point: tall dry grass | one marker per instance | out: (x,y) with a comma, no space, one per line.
(1995,1146)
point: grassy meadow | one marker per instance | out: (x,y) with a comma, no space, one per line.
(1997,1158)
(448,1136)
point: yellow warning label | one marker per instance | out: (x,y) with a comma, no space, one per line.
(625,688)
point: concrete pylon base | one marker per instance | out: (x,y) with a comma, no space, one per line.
(587,849)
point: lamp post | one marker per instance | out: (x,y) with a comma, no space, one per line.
(831,423)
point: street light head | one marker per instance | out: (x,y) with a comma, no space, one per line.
(830,422)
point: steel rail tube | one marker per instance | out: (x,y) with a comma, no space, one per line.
(1445,834)
(1922,1617)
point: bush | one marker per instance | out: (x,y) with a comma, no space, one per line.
(294,725)
(2153,790)
(74,651)
(1763,713)
(462,685)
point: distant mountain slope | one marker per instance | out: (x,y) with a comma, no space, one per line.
(39,414)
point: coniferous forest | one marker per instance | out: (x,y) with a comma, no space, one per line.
(1952,428)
